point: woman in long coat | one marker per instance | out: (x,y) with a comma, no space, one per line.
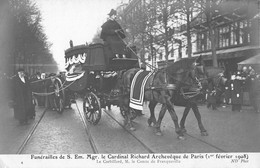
(22,98)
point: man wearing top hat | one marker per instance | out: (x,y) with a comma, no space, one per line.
(113,35)
(22,98)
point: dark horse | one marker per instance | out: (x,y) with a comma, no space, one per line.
(161,87)
(216,83)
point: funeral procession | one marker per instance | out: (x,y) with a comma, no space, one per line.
(137,77)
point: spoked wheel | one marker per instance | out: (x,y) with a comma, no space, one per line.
(133,113)
(92,108)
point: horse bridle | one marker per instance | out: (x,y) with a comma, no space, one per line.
(194,78)
(191,94)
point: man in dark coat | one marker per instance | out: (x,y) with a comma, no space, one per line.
(22,98)
(112,35)
(51,88)
(236,92)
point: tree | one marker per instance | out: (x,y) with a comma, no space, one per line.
(165,14)
(188,8)
(210,9)
(135,25)
(29,40)
(5,36)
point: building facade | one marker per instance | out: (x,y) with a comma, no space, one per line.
(236,34)
(235,25)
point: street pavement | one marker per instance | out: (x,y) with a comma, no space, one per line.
(12,133)
(228,131)
(59,133)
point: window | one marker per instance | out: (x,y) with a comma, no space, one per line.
(160,56)
(220,38)
(199,42)
(234,34)
(241,33)
(249,31)
(244,32)
(202,41)
(208,41)
(224,36)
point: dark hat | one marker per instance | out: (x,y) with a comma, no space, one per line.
(112,12)
(20,70)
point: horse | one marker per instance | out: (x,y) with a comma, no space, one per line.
(161,86)
(216,83)
(185,95)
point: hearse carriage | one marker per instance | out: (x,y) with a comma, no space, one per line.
(92,73)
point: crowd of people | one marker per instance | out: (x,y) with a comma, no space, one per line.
(241,82)
(24,92)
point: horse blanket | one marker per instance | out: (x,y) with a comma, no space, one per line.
(137,89)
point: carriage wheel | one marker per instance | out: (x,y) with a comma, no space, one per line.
(92,108)
(133,113)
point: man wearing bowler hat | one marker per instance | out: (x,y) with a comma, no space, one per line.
(113,35)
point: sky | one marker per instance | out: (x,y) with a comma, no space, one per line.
(76,20)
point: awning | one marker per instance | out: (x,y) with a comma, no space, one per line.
(228,53)
(251,61)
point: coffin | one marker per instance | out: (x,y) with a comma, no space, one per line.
(94,58)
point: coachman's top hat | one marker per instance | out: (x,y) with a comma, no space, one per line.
(112,12)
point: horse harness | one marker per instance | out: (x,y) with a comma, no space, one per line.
(186,94)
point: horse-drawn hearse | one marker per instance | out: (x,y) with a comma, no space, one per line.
(101,80)
(92,72)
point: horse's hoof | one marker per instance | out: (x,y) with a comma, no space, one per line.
(158,133)
(204,133)
(150,122)
(132,128)
(181,137)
